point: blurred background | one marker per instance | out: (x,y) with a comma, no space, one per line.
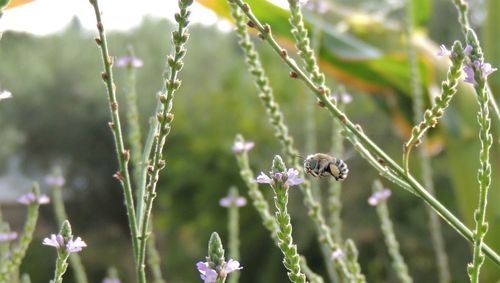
(58,118)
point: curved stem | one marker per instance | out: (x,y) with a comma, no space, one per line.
(367,142)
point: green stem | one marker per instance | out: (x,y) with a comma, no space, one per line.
(134,134)
(165,117)
(425,164)
(123,155)
(390,237)
(154,260)
(148,146)
(291,257)
(234,234)
(449,217)
(61,267)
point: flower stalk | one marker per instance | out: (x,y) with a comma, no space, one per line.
(448,89)
(165,118)
(122,154)
(280,188)
(441,102)
(365,140)
(61,216)
(486,141)
(65,245)
(380,204)
(19,251)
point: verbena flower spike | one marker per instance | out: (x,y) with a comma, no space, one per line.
(282,179)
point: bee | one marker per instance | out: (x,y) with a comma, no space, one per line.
(320,165)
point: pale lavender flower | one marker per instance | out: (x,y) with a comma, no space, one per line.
(230,200)
(443,51)
(293,178)
(469,74)
(486,69)
(264,179)
(111,280)
(338,254)
(277,176)
(75,246)
(230,266)
(71,246)
(31,198)
(7,236)
(5,94)
(377,197)
(56,241)
(468,49)
(55,181)
(207,274)
(129,61)
(240,146)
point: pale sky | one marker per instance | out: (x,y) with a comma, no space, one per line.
(43,17)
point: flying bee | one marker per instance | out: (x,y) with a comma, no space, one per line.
(320,165)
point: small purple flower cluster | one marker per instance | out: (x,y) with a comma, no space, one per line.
(129,62)
(470,67)
(230,201)
(210,275)
(55,181)
(377,197)
(31,198)
(291,178)
(241,146)
(7,236)
(70,246)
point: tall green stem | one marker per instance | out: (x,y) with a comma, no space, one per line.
(123,155)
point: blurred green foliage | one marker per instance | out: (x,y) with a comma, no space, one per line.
(59,111)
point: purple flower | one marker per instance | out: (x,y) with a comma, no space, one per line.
(240,146)
(111,280)
(467,49)
(75,246)
(30,198)
(230,200)
(337,254)
(207,274)
(293,178)
(55,181)
(379,196)
(230,266)
(443,51)
(484,68)
(5,94)
(129,61)
(264,179)
(71,246)
(469,74)
(56,241)
(7,236)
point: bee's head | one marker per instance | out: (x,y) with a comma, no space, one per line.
(310,162)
